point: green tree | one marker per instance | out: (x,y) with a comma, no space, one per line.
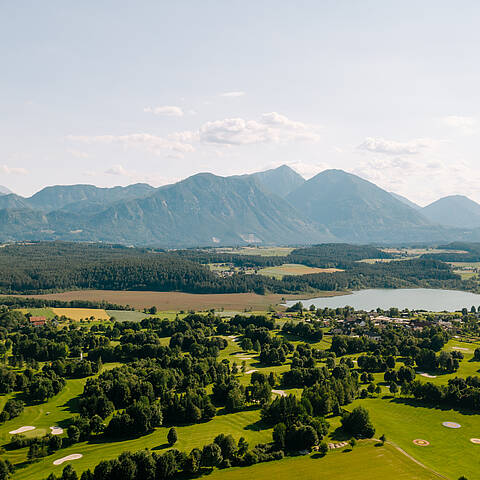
(172,436)
(358,422)
(211,455)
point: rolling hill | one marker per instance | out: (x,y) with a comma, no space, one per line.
(454,211)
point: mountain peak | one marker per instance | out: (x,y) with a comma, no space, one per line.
(280,180)
(355,209)
(454,211)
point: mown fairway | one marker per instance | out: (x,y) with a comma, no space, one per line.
(243,424)
(450,451)
(365,462)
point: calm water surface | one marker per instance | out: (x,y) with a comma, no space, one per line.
(413,299)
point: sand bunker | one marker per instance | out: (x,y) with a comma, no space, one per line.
(421,443)
(463,349)
(476,441)
(333,446)
(74,456)
(279,392)
(427,375)
(451,425)
(56,430)
(250,371)
(21,430)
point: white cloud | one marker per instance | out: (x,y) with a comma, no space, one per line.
(419,178)
(118,170)
(143,141)
(270,128)
(167,110)
(13,170)
(467,125)
(391,147)
(233,94)
(78,154)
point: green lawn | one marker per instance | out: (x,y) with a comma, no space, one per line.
(450,452)
(127,315)
(39,312)
(246,424)
(365,462)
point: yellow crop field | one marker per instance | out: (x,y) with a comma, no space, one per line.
(82,313)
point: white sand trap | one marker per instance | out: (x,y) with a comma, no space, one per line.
(56,430)
(279,392)
(21,430)
(427,375)
(476,441)
(451,424)
(74,456)
(245,358)
(250,371)
(463,349)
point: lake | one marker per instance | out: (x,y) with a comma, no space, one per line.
(413,299)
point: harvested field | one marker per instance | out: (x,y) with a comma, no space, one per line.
(178,300)
(82,313)
(294,269)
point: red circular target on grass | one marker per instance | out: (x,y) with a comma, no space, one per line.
(421,443)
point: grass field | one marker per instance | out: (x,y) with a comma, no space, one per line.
(450,451)
(82,313)
(181,301)
(127,315)
(41,312)
(244,424)
(364,462)
(294,269)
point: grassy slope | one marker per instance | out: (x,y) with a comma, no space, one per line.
(365,462)
(239,424)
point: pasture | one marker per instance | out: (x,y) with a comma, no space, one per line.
(40,312)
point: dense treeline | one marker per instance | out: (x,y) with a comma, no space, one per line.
(458,393)
(30,302)
(339,255)
(44,267)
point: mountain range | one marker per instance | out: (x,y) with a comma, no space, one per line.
(277,206)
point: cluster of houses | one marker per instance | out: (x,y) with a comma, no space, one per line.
(349,325)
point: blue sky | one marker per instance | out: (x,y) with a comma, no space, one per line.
(116,92)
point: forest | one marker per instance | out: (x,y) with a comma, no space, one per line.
(55,266)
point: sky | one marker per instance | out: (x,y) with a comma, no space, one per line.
(118,92)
